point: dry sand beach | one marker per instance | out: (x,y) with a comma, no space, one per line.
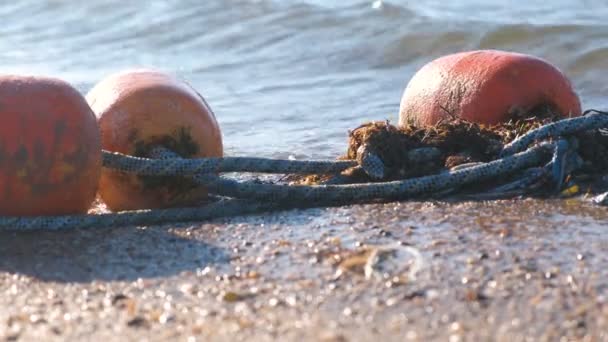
(503,270)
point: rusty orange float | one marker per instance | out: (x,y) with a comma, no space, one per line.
(50,153)
(140,109)
(485,87)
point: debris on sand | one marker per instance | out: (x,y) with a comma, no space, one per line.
(459,141)
(471,142)
(456,144)
(384,262)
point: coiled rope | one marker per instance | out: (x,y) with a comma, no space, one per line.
(545,150)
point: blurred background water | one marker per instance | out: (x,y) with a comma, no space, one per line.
(287,77)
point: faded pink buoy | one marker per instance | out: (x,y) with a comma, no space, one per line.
(485,87)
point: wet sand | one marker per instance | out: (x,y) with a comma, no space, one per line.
(501,270)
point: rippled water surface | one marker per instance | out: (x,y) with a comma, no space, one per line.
(290,77)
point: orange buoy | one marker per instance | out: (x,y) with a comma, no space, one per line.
(140,109)
(50,152)
(485,87)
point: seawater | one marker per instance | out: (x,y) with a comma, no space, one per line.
(289,78)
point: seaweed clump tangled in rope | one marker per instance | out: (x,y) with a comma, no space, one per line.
(412,151)
(539,156)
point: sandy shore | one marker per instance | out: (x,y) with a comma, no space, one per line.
(506,271)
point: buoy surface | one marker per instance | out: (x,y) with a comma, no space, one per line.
(140,109)
(50,153)
(486,87)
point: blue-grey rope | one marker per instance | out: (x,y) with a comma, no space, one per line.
(423,155)
(528,181)
(274,196)
(365,192)
(277,196)
(164,164)
(222,208)
(593,120)
(374,167)
(182,166)
(528,178)
(350,193)
(370,162)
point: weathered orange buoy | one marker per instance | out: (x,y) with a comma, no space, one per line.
(485,87)
(50,153)
(140,109)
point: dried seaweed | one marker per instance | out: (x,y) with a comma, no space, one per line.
(459,142)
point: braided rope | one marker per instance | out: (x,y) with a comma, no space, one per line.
(528,177)
(423,155)
(181,167)
(281,196)
(374,167)
(222,208)
(591,119)
(370,191)
(277,196)
(166,163)
(370,162)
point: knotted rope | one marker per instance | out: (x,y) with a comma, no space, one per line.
(546,152)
